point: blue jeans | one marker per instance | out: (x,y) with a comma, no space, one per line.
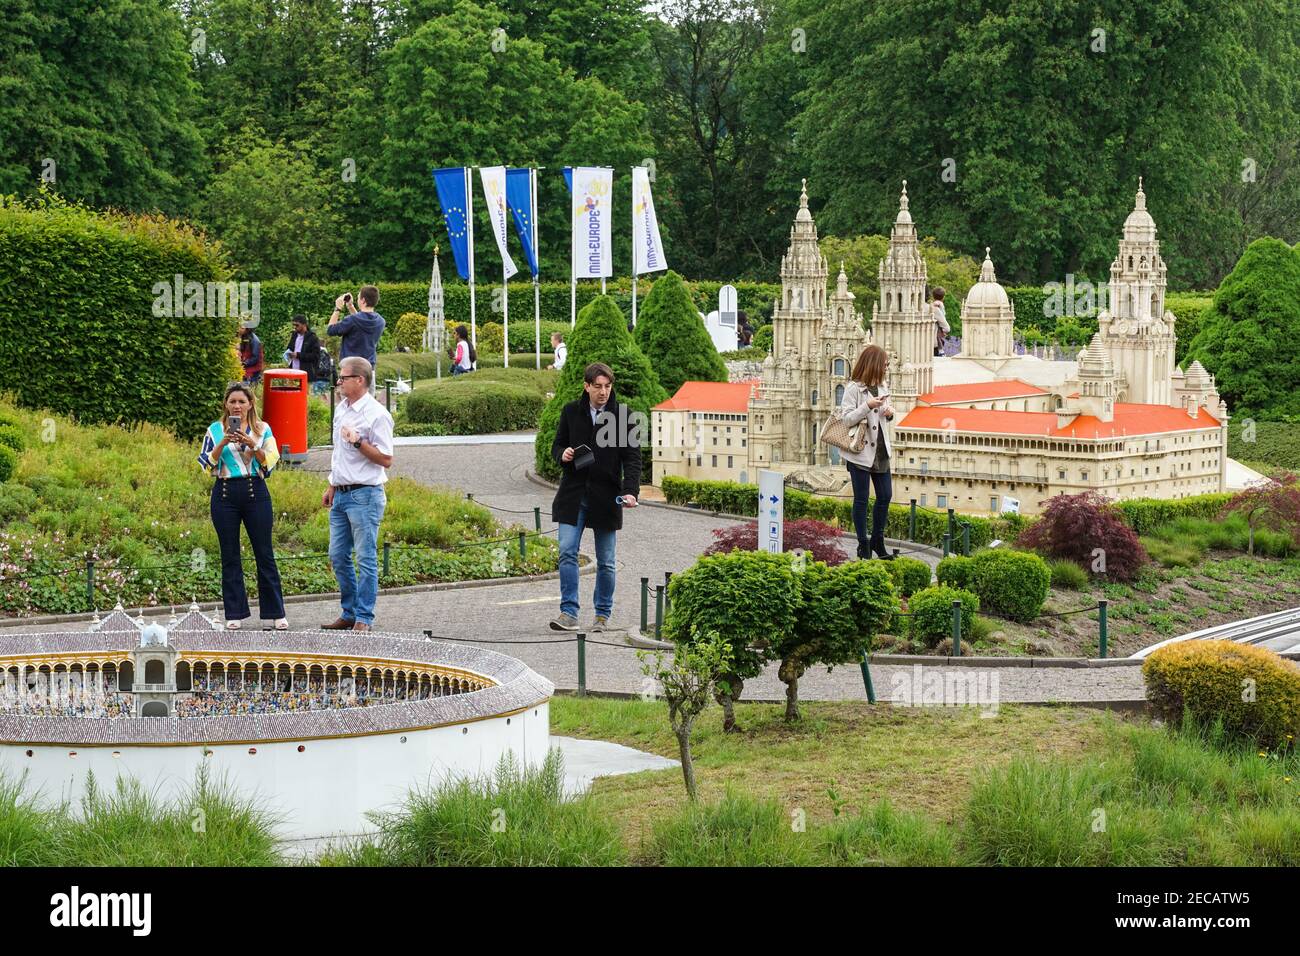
(570,538)
(862,482)
(354,527)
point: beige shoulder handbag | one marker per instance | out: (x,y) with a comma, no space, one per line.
(851,438)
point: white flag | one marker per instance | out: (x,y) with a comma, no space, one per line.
(592,201)
(647,247)
(494,192)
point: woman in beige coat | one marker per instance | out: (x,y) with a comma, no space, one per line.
(866,398)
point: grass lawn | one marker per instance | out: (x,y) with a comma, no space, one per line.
(922,759)
(135,500)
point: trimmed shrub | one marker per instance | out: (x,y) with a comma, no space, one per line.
(1066,574)
(909,575)
(1271,443)
(103,287)
(931,613)
(750,598)
(1011,583)
(8,462)
(762,338)
(672,335)
(463,406)
(954,571)
(1145,515)
(409,331)
(1208,682)
(819,540)
(601,336)
(1078,527)
(12,436)
(842,609)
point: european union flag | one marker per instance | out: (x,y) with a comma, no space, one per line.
(452,198)
(519,197)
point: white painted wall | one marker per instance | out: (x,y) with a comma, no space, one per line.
(323,791)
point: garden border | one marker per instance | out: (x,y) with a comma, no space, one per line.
(161,609)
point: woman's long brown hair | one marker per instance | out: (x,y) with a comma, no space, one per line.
(252,423)
(870,367)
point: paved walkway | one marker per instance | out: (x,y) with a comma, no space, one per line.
(653,540)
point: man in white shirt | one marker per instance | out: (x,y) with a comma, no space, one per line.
(560,349)
(363,453)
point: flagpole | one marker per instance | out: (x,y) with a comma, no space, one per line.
(634,247)
(537,295)
(469,229)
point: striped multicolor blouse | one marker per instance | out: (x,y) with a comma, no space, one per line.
(231,464)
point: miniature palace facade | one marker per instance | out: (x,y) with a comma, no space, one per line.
(976,428)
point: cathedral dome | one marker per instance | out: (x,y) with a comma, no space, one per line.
(988,292)
(1139,224)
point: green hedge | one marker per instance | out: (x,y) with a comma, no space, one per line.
(1273,443)
(953,571)
(77,316)
(465,407)
(8,464)
(910,575)
(1144,515)
(12,436)
(1140,514)
(281,298)
(1014,584)
(930,613)
(734,498)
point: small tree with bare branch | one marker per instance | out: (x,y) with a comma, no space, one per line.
(688,684)
(1272,503)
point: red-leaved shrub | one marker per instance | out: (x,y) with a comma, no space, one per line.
(819,539)
(1089,531)
(1272,503)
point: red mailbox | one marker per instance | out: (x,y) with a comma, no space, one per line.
(284,407)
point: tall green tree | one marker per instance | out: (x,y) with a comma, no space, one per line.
(1245,339)
(673,337)
(455,94)
(99,104)
(275,212)
(600,335)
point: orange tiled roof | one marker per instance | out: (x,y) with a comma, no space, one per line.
(732,397)
(981,391)
(1130,420)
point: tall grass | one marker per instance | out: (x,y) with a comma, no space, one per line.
(515,817)
(207,824)
(738,830)
(1164,798)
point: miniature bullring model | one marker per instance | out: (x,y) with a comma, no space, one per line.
(321,726)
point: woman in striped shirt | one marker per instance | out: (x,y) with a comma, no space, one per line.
(240,451)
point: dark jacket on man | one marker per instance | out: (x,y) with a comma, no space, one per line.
(616,470)
(309,356)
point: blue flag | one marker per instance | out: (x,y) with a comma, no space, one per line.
(568,177)
(451,196)
(519,197)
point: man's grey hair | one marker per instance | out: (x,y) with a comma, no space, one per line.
(355,365)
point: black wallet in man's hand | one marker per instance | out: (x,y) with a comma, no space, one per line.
(583,456)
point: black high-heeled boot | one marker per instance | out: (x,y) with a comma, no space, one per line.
(864,551)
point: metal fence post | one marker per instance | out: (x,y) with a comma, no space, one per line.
(659,612)
(582,665)
(645,590)
(911,522)
(952,523)
(523,544)
(947,543)
(956,628)
(387,550)
(866,678)
(537,518)
(1101,628)
(965,538)
(668,604)
(90,583)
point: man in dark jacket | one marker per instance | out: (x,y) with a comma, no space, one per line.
(599,449)
(304,348)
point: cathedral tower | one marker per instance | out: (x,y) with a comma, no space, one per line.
(796,319)
(1137,330)
(901,321)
